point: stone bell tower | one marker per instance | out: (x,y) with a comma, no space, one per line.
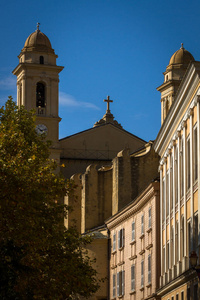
(172,78)
(37,85)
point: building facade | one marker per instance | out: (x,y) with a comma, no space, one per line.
(178,144)
(135,257)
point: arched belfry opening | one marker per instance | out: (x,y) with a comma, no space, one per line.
(41,60)
(40,95)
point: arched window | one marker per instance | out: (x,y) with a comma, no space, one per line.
(40,95)
(41,60)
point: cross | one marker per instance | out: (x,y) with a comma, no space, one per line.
(108,103)
(38,25)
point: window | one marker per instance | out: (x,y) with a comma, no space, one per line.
(172,298)
(40,95)
(172,246)
(177,296)
(41,60)
(149,269)
(188,293)
(196,292)
(181,169)
(196,233)
(149,217)
(114,241)
(167,194)
(182,295)
(171,183)
(163,202)
(120,283)
(133,231)
(188,163)
(133,278)
(176,242)
(167,255)
(142,225)
(114,285)
(142,273)
(163,260)
(195,155)
(182,235)
(121,239)
(189,237)
(176,176)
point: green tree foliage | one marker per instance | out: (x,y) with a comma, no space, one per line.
(39,257)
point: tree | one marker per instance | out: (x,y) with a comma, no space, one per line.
(39,257)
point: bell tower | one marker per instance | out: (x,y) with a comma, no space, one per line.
(172,78)
(37,85)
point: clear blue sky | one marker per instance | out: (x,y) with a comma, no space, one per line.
(108,47)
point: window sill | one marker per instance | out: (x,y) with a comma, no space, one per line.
(133,257)
(142,289)
(142,236)
(113,267)
(132,292)
(114,251)
(133,242)
(148,285)
(121,248)
(141,252)
(121,263)
(149,230)
(149,246)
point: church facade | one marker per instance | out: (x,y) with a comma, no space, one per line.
(116,174)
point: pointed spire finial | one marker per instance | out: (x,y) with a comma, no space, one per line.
(38,26)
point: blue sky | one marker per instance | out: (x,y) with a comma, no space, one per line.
(107,47)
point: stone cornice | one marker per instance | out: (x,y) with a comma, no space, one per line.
(151,191)
(188,89)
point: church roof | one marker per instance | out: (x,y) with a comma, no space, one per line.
(38,41)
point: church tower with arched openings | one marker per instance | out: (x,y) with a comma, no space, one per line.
(173,76)
(37,85)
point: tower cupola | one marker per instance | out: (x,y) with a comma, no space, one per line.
(173,75)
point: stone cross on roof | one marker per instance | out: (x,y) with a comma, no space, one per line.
(108,103)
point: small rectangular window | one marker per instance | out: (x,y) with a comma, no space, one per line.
(149,269)
(177,297)
(133,278)
(149,217)
(114,285)
(142,273)
(114,241)
(133,231)
(142,225)
(120,283)
(195,155)
(188,293)
(121,238)
(188,163)
(196,292)
(182,295)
